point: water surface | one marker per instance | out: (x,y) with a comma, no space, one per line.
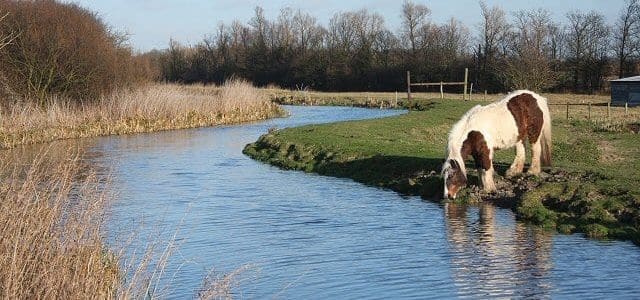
(313,237)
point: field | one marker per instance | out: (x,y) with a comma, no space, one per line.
(591,188)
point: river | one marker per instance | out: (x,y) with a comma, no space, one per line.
(305,236)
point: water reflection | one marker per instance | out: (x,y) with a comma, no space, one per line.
(493,258)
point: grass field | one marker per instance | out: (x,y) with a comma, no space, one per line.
(592,187)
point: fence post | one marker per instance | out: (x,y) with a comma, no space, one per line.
(626,108)
(466,77)
(470,91)
(589,117)
(441,91)
(485,95)
(396,103)
(609,110)
(408,86)
(567,110)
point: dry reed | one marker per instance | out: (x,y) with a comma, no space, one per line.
(51,214)
(151,108)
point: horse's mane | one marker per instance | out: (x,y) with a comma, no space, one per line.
(459,128)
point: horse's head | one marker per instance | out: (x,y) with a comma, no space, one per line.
(454,178)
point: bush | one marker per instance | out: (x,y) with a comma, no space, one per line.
(64,50)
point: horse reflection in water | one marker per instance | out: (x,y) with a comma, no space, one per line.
(490,261)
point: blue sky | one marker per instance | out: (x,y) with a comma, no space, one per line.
(151,23)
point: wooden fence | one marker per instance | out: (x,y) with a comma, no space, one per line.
(589,105)
(441,84)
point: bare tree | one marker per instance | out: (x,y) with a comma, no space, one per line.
(283,29)
(414,17)
(342,34)
(529,63)
(453,40)
(588,46)
(308,34)
(627,31)
(495,29)
(493,46)
(260,27)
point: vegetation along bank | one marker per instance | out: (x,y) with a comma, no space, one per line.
(591,188)
(64,73)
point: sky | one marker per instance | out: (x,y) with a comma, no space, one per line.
(151,23)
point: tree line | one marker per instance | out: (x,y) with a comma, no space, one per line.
(357,52)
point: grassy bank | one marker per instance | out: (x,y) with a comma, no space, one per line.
(592,187)
(147,109)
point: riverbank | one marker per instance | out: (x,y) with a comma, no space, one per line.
(53,206)
(155,107)
(54,210)
(591,189)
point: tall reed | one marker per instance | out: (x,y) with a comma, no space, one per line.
(51,217)
(151,108)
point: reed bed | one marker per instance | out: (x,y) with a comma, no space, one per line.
(151,108)
(51,217)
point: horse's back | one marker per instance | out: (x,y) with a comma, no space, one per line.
(495,122)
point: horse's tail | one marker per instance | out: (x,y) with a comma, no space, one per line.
(545,136)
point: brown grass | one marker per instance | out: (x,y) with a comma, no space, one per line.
(51,214)
(151,108)
(220,286)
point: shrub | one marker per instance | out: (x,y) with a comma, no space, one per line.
(61,49)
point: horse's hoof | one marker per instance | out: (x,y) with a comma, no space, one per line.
(533,173)
(490,190)
(512,173)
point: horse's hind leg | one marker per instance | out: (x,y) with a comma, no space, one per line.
(518,162)
(536,151)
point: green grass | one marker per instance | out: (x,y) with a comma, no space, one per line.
(593,187)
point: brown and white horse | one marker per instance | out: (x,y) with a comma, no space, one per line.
(521,116)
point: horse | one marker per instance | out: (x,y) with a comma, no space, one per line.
(519,117)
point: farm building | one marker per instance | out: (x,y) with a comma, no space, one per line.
(625,90)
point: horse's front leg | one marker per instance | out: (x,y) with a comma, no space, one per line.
(486,174)
(487,179)
(518,162)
